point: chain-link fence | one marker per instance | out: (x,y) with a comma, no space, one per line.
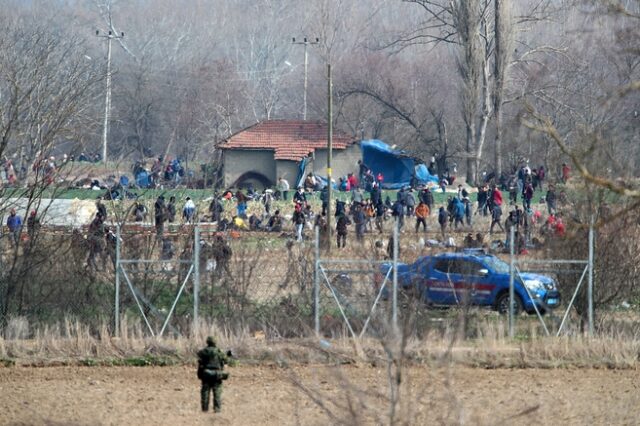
(173,279)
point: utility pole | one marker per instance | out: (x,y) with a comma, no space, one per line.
(329,153)
(107,107)
(306,43)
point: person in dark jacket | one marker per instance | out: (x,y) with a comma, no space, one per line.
(160,215)
(360,220)
(426,196)
(299,220)
(496,214)
(101,208)
(171,210)
(458,211)
(550,198)
(33,224)
(443,219)
(397,211)
(341,230)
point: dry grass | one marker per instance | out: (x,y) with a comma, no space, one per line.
(71,343)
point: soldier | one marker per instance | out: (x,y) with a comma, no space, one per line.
(211,362)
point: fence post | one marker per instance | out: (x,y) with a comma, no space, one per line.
(590,279)
(395,276)
(316,284)
(196,276)
(511,279)
(117,295)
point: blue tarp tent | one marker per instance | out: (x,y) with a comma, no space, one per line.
(396,166)
(423,176)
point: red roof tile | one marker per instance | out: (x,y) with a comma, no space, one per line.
(289,139)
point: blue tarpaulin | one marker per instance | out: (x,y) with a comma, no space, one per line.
(398,169)
(423,176)
(143,179)
(301,167)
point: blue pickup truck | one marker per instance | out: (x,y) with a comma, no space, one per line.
(473,277)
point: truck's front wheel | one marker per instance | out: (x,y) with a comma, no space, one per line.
(502,304)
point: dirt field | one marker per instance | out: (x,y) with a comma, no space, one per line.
(266,396)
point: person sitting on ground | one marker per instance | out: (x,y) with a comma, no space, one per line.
(139,212)
(469,242)
(275,222)
(255,223)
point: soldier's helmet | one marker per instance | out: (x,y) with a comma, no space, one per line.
(211,341)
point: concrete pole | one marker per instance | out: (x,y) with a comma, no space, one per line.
(590,279)
(316,284)
(329,155)
(512,271)
(117,296)
(394,314)
(304,95)
(107,107)
(196,276)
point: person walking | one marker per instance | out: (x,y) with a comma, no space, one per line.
(211,362)
(189,211)
(550,198)
(341,230)
(496,215)
(360,220)
(528,195)
(171,209)
(160,215)
(443,219)
(422,212)
(14,223)
(299,221)
(283,187)
(468,210)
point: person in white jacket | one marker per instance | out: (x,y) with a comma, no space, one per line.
(189,211)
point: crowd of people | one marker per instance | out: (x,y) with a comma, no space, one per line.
(360,204)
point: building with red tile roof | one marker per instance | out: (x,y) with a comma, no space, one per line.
(262,153)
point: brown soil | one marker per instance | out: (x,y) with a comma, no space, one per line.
(267,396)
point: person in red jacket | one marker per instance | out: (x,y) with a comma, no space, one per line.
(497,196)
(353,181)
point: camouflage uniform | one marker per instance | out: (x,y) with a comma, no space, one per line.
(211,362)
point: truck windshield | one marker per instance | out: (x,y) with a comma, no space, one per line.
(497,265)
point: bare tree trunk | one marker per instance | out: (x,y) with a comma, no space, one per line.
(503,46)
(484,119)
(470,63)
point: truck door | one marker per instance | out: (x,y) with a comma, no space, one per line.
(473,281)
(440,285)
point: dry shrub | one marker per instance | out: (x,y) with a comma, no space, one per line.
(616,259)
